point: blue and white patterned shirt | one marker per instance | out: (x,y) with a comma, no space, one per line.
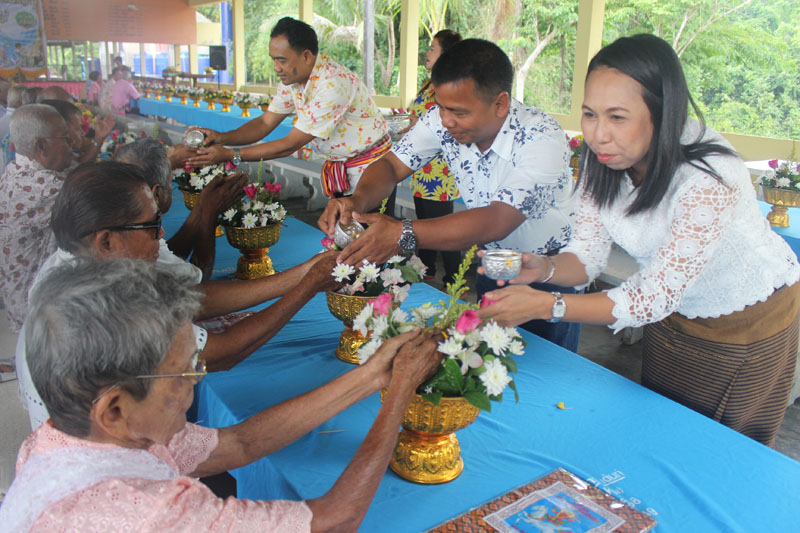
(527,167)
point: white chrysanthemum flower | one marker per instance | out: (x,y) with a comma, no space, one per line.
(391,276)
(360,321)
(279,214)
(206,170)
(400,292)
(380,324)
(783,182)
(426,311)
(399,316)
(450,347)
(797,185)
(229,214)
(368,349)
(258,206)
(370,271)
(343,270)
(473,338)
(516,347)
(272,206)
(249,220)
(395,259)
(175,173)
(495,337)
(495,378)
(197,182)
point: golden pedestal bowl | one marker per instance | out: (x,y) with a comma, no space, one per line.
(210,102)
(245,109)
(427,450)
(781,200)
(226,104)
(254,244)
(346,308)
(190,200)
(184,97)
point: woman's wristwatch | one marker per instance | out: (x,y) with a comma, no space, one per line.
(237,157)
(559,307)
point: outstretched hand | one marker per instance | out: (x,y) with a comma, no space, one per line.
(377,244)
(534,268)
(223,192)
(337,210)
(516,304)
(210,155)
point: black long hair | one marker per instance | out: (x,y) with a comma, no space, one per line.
(654,64)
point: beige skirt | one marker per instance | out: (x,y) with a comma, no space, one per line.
(736,369)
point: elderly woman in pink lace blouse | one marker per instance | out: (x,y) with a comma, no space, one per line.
(113,356)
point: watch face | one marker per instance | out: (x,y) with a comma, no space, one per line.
(408,242)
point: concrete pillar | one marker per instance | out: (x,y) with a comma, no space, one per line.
(239,70)
(588,42)
(409,50)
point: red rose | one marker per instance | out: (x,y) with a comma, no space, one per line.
(773,163)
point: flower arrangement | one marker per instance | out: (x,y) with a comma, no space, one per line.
(576,144)
(246,99)
(167,89)
(87,118)
(259,208)
(194,179)
(783,175)
(182,90)
(209,94)
(390,282)
(209,70)
(264,100)
(225,95)
(478,362)
(117,138)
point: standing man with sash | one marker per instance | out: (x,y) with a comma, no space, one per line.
(334,112)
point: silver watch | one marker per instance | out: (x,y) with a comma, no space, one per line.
(559,307)
(407,241)
(237,157)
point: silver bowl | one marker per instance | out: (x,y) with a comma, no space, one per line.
(343,236)
(397,123)
(501,264)
(194,139)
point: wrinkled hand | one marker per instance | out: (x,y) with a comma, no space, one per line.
(517,304)
(377,244)
(319,275)
(212,136)
(223,191)
(534,268)
(381,361)
(208,156)
(178,154)
(338,209)
(103,127)
(416,361)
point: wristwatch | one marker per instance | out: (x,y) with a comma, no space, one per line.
(408,241)
(559,307)
(237,157)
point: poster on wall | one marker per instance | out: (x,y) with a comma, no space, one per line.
(21,39)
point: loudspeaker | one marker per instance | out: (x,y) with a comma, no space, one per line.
(217,58)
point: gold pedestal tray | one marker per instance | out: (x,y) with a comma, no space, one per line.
(195,102)
(573,164)
(346,308)
(245,109)
(781,200)
(167,97)
(157,95)
(427,450)
(183,98)
(210,102)
(226,104)
(254,244)
(190,200)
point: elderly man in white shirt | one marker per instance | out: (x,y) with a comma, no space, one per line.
(510,162)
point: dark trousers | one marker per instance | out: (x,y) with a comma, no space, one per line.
(451,259)
(565,334)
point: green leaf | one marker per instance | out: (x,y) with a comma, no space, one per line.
(409,274)
(510,364)
(514,388)
(453,372)
(434,398)
(479,400)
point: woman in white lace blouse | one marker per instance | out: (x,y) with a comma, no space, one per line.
(716,288)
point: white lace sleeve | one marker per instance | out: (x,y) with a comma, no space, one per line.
(590,241)
(700,214)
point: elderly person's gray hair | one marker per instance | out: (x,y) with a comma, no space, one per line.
(151,156)
(14,98)
(32,122)
(94,324)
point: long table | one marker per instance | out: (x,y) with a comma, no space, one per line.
(691,473)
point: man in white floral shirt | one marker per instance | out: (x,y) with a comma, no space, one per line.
(510,162)
(28,188)
(334,112)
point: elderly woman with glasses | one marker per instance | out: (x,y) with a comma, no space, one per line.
(112,352)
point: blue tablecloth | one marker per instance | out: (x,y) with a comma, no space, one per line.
(200,116)
(690,472)
(790,234)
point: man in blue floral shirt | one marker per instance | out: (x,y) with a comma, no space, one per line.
(511,164)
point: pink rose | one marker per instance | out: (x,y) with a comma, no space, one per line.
(142,134)
(187,168)
(276,188)
(114,134)
(468,321)
(327,242)
(250,191)
(486,302)
(773,163)
(574,142)
(229,165)
(382,304)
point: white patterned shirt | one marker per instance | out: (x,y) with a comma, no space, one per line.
(526,167)
(335,107)
(704,251)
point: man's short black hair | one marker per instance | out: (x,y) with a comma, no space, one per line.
(300,35)
(481,61)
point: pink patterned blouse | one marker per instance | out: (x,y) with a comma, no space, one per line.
(180,504)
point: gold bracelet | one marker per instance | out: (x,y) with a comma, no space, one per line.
(552,270)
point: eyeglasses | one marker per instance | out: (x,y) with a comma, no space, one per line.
(196,362)
(65,137)
(152,224)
